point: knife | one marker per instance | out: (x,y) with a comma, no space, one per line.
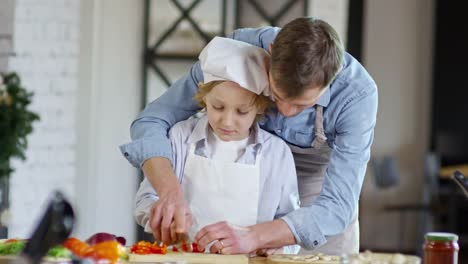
(462,181)
(54,227)
(183,239)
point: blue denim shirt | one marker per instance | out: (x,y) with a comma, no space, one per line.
(350,109)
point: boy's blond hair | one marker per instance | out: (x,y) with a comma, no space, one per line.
(261,102)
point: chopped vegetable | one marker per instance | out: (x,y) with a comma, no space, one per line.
(195,248)
(12,247)
(144,247)
(16,246)
(107,250)
(59,252)
(101,237)
(76,246)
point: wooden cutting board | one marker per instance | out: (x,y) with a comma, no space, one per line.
(191,258)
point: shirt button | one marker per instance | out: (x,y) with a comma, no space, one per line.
(126,154)
(315,243)
(278,130)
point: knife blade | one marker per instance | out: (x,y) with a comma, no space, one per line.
(462,181)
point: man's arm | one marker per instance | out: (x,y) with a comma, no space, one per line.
(174,202)
(334,209)
(150,148)
(149,130)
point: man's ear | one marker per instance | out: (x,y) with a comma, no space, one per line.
(270,47)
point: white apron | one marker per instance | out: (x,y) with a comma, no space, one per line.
(311,164)
(220,191)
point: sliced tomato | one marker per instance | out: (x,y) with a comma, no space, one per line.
(185,247)
(144,247)
(195,248)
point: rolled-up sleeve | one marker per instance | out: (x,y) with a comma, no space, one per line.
(149,132)
(334,209)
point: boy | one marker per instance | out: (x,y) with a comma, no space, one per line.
(229,169)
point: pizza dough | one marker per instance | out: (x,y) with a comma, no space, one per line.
(318,258)
(368,257)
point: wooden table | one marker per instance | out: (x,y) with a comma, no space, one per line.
(13,260)
(257,260)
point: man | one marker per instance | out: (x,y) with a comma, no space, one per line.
(326,106)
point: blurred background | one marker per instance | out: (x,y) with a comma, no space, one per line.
(93,65)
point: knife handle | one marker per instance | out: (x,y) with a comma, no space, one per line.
(54,227)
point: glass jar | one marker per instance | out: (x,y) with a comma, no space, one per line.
(440,248)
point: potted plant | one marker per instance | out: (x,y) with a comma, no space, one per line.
(15,125)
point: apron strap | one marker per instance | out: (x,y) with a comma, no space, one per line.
(318,123)
(192,148)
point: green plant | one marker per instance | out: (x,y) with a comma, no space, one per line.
(15,121)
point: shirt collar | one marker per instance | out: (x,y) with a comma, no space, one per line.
(324,100)
(201,130)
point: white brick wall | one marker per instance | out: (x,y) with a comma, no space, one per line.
(6,29)
(46,41)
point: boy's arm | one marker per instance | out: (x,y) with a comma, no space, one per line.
(144,199)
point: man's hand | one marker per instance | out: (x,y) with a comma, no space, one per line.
(171,208)
(227,238)
(170,215)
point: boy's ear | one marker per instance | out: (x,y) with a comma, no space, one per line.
(270,47)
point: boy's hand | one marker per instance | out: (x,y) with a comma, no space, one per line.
(227,238)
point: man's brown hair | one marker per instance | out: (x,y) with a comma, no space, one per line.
(306,53)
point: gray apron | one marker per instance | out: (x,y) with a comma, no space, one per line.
(311,164)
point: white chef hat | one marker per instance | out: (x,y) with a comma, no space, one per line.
(225,59)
